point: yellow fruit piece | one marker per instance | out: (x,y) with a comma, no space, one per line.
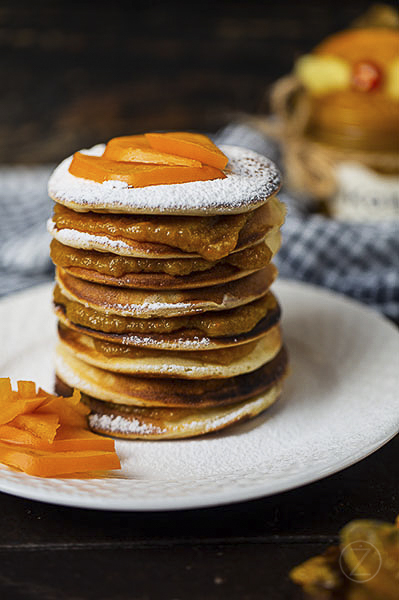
(392,82)
(323,74)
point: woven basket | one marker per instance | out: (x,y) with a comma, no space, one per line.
(310,165)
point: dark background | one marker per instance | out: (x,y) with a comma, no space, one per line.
(74,73)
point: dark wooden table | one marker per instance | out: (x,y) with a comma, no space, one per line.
(73,74)
(238,552)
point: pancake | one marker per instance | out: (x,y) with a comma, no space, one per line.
(228,269)
(250,180)
(129,422)
(186,338)
(199,364)
(157,236)
(233,322)
(138,391)
(164,423)
(150,281)
(146,305)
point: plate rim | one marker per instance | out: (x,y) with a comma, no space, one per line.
(191,503)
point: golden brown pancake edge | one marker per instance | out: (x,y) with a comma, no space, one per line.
(199,364)
(164,392)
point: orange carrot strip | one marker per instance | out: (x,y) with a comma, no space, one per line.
(31,404)
(7,396)
(32,440)
(44,426)
(160,175)
(26,389)
(138,141)
(5,387)
(76,438)
(10,408)
(15,435)
(73,400)
(191,145)
(16,403)
(49,464)
(67,438)
(101,169)
(131,149)
(67,414)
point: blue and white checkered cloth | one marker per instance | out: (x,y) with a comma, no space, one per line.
(24,241)
(359,260)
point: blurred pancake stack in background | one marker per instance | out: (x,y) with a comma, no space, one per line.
(338,120)
(166,321)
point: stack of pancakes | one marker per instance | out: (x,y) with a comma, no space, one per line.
(165,318)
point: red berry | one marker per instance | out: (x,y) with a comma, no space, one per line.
(366,76)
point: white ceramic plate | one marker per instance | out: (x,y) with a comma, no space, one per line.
(340,404)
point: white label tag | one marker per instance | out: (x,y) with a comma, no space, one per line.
(364,195)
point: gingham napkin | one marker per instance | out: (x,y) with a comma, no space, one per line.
(24,241)
(361,261)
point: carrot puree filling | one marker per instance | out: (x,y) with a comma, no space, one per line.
(254,257)
(216,324)
(210,237)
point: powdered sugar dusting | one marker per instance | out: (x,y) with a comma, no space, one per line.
(168,343)
(250,180)
(117,424)
(88,241)
(103,243)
